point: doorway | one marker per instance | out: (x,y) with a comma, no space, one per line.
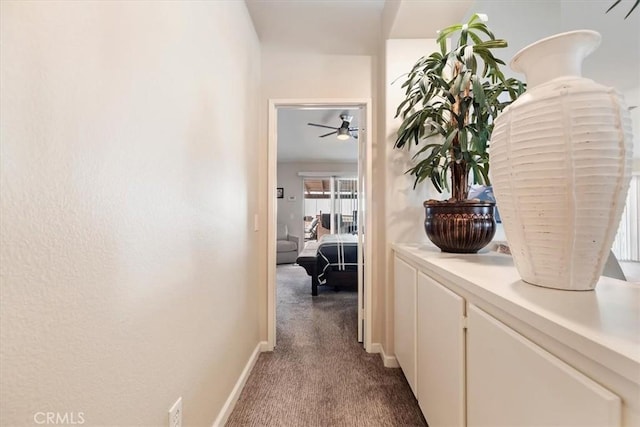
(360,216)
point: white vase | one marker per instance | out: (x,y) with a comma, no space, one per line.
(561,165)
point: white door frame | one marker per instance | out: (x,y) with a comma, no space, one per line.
(272,180)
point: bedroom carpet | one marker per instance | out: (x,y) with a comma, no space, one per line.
(319,375)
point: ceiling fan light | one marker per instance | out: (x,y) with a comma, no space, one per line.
(343,134)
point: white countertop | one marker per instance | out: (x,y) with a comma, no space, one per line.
(604,323)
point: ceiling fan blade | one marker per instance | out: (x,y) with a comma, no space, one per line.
(354,129)
(327,134)
(322,126)
(354,135)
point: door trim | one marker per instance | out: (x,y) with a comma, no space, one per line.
(272,180)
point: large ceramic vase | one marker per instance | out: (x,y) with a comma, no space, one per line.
(462,227)
(561,165)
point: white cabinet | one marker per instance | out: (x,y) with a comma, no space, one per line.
(440,366)
(497,354)
(405,320)
(514,382)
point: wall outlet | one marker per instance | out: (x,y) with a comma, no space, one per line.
(175,414)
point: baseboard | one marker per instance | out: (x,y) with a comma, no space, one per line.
(228,406)
(264,347)
(388,361)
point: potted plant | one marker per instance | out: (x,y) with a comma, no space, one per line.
(451,99)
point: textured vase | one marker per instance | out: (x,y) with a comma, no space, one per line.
(462,228)
(561,165)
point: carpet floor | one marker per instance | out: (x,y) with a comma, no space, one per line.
(319,375)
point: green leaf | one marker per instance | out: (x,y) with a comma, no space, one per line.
(463,37)
(478,92)
(464,83)
(444,137)
(481,27)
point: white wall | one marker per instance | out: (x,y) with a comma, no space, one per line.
(128,182)
(292,212)
(404,212)
(298,74)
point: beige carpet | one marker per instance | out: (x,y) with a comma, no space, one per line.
(319,375)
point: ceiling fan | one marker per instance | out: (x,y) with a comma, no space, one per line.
(343,132)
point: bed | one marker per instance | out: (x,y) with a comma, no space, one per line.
(331,261)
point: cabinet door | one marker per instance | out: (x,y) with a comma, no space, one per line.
(405,320)
(514,382)
(441,388)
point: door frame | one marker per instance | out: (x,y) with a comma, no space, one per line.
(272,181)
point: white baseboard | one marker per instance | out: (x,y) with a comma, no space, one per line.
(264,347)
(228,406)
(388,361)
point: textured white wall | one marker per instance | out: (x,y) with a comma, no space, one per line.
(299,74)
(128,182)
(404,213)
(404,210)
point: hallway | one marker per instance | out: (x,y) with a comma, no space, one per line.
(319,374)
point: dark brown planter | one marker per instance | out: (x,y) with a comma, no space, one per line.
(461,227)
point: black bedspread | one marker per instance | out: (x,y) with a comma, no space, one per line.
(337,252)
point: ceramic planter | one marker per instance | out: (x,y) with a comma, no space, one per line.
(462,227)
(561,165)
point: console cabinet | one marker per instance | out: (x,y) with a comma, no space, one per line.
(493,352)
(440,357)
(405,321)
(511,381)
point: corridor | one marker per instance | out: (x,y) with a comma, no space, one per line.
(319,375)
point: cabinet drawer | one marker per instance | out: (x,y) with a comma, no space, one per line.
(514,382)
(405,320)
(440,354)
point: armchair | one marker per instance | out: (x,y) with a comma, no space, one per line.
(287,245)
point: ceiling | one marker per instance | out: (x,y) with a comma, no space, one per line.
(317,188)
(320,188)
(349,27)
(297,141)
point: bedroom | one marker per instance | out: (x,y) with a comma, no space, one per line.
(317,181)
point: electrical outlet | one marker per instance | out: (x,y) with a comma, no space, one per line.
(175,414)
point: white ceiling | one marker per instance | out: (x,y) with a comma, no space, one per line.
(342,27)
(422,18)
(298,142)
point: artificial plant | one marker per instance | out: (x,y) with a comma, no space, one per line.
(451,99)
